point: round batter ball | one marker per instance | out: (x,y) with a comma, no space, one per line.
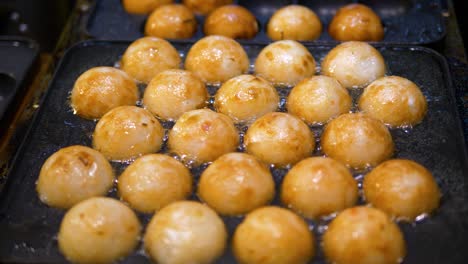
(402,188)
(101,89)
(236,183)
(203,135)
(273,235)
(73,174)
(174,21)
(363,235)
(318,99)
(232,21)
(356,22)
(394,100)
(354,64)
(127,132)
(98,230)
(154,181)
(185,232)
(148,56)
(143,7)
(294,22)
(246,97)
(285,62)
(318,186)
(280,139)
(174,92)
(216,59)
(204,7)
(357,140)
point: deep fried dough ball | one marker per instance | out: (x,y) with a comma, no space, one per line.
(232,21)
(203,135)
(98,230)
(148,56)
(154,181)
(394,100)
(216,59)
(318,99)
(319,186)
(402,188)
(246,97)
(280,139)
(357,140)
(174,21)
(73,174)
(204,7)
(101,89)
(285,62)
(143,7)
(356,22)
(363,235)
(271,235)
(294,22)
(185,232)
(354,64)
(127,132)
(174,92)
(236,183)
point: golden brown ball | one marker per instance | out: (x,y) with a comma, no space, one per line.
(143,7)
(174,21)
(294,22)
(204,7)
(232,21)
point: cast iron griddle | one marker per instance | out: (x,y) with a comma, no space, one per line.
(28,228)
(405,21)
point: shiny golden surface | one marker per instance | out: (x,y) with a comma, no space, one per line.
(174,92)
(185,232)
(204,7)
(127,132)
(318,186)
(363,235)
(273,235)
(232,21)
(356,22)
(357,140)
(394,100)
(73,174)
(174,21)
(402,188)
(236,183)
(148,56)
(294,22)
(143,7)
(154,181)
(98,230)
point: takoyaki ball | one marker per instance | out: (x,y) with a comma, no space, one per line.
(216,59)
(185,232)
(280,139)
(148,56)
(174,21)
(294,22)
(143,7)
(285,62)
(174,92)
(232,21)
(73,174)
(394,100)
(402,188)
(101,89)
(126,132)
(354,64)
(318,99)
(154,181)
(246,97)
(356,22)
(203,7)
(273,235)
(363,235)
(203,135)
(98,230)
(236,183)
(318,186)
(357,140)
